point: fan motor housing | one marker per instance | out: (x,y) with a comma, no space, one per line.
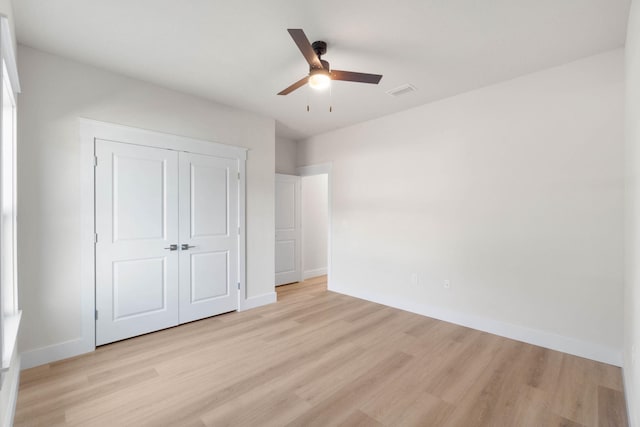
(319,47)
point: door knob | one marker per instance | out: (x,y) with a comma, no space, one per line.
(186,247)
(172,247)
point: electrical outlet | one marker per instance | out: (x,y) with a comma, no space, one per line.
(414,279)
(447,284)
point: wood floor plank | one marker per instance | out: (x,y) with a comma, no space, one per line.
(477,407)
(360,419)
(321,358)
(424,411)
(581,403)
(403,398)
(611,411)
(338,405)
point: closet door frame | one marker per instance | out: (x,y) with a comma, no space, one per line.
(90,130)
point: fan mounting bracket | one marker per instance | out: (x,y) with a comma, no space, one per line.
(319,47)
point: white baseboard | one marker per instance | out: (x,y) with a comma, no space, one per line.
(307,274)
(54,352)
(537,337)
(76,347)
(258,301)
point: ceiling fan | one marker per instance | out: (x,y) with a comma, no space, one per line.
(320,75)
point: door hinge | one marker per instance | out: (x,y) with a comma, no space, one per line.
(238,230)
(238,285)
(95,161)
(95,237)
(238,175)
(96,314)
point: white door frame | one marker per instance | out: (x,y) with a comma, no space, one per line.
(90,130)
(321,169)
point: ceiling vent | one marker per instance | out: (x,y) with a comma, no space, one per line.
(401,90)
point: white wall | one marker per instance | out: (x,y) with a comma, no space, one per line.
(55,92)
(286,150)
(631,368)
(513,192)
(315,225)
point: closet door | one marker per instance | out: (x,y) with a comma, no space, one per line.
(136,224)
(208,236)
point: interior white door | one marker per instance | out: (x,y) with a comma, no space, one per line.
(208,236)
(288,229)
(136,224)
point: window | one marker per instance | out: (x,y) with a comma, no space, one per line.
(7,232)
(10,319)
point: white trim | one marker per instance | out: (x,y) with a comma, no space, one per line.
(89,131)
(242,236)
(321,169)
(589,350)
(54,352)
(8,54)
(307,274)
(258,301)
(13,393)
(630,400)
(151,138)
(87,342)
(11,325)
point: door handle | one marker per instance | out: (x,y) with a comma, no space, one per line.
(172,247)
(186,247)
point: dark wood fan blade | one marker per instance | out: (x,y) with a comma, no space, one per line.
(294,86)
(350,76)
(301,40)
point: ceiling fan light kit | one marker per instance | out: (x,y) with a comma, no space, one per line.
(320,73)
(319,78)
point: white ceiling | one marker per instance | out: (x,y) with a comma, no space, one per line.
(239,52)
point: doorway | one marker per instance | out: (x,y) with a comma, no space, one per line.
(303,213)
(315,224)
(316,219)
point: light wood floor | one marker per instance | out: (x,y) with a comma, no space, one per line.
(320,358)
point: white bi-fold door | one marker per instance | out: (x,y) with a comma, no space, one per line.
(167,239)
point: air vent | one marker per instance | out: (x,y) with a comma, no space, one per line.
(401,90)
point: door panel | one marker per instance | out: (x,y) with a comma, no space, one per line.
(285,256)
(286,200)
(204,268)
(139,287)
(138,209)
(209,201)
(136,219)
(288,230)
(209,229)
